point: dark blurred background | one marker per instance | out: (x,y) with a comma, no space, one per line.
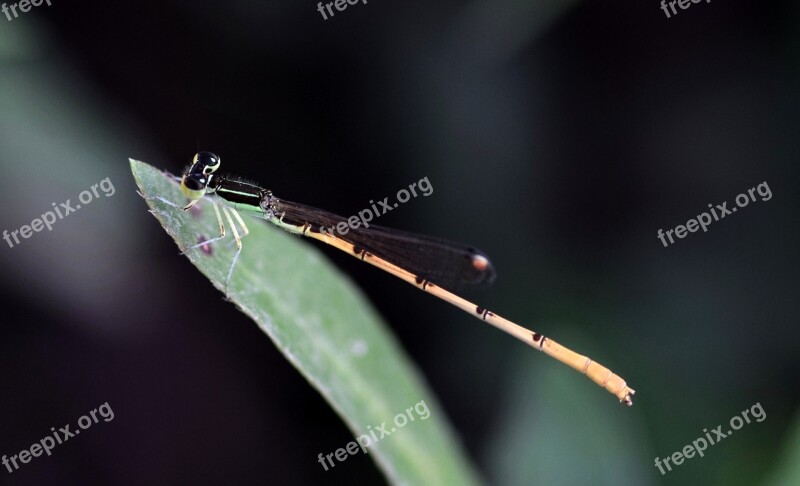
(558,136)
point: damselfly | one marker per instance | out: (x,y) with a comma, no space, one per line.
(428,263)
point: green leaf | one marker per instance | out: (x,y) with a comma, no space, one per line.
(326,329)
(787,473)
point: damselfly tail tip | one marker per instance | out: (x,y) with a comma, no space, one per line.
(626,396)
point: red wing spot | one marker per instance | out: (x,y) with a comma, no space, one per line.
(480,263)
(536,337)
(479,310)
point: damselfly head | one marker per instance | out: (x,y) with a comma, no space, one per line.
(196,178)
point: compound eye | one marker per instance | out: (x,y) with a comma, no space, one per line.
(193,186)
(194,183)
(208,161)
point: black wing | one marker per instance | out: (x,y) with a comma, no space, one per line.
(442,262)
